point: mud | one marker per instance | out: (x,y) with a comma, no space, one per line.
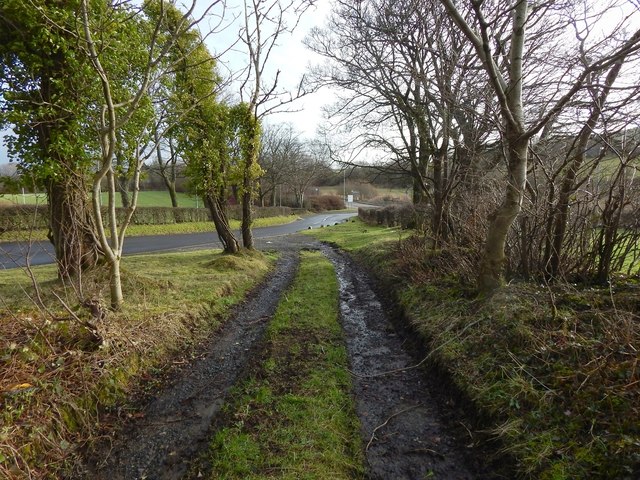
(406,434)
(407,428)
(174,427)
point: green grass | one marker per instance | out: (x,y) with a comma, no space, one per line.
(145,199)
(172,303)
(355,234)
(166,229)
(294,418)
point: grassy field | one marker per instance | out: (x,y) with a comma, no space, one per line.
(552,370)
(161,198)
(354,235)
(145,199)
(294,418)
(167,229)
(367,192)
(56,373)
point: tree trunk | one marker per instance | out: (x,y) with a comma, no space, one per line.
(247,217)
(71,230)
(251,160)
(493,262)
(123,188)
(229,242)
(438,202)
(173,195)
(115,285)
(517,140)
(560,213)
(171,188)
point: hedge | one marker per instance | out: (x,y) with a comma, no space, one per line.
(403,216)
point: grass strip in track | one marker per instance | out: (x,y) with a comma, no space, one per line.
(294,418)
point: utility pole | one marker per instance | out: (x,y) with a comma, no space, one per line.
(344,184)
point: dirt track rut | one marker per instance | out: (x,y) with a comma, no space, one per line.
(175,425)
(403,431)
(401,422)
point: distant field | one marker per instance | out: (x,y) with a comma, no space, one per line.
(26,199)
(145,199)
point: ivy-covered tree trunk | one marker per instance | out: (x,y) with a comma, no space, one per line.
(122,186)
(250,139)
(45,97)
(221,222)
(71,230)
(247,215)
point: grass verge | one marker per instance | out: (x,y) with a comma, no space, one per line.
(553,370)
(56,374)
(294,418)
(166,229)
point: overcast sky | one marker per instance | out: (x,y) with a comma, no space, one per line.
(291,58)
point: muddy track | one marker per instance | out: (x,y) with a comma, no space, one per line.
(406,434)
(175,426)
(408,431)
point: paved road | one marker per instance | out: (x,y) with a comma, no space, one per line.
(14,254)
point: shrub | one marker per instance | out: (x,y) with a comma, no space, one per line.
(326,202)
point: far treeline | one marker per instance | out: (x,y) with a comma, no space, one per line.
(518,121)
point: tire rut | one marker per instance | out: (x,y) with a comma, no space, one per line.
(175,426)
(405,433)
(405,426)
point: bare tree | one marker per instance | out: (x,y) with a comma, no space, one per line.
(505,54)
(265,23)
(306,163)
(397,64)
(279,144)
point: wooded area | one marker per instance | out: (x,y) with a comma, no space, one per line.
(513,124)
(517,122)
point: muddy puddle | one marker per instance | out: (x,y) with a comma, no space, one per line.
(403,428)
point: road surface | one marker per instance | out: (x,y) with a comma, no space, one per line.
(14,254)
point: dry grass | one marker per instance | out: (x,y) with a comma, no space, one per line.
(61,367)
